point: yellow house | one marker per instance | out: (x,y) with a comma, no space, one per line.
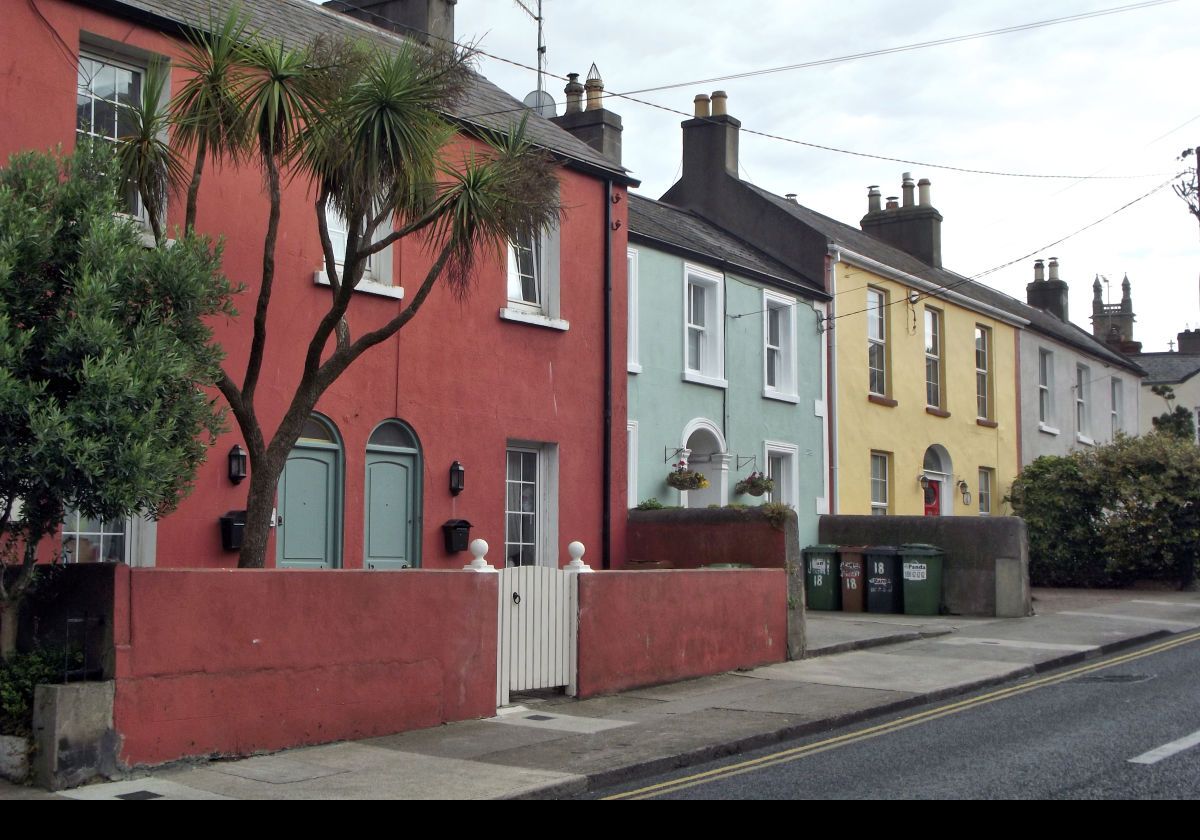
(923,369)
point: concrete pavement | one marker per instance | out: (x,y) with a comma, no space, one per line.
(860,666)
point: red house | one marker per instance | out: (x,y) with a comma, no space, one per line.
(516,395)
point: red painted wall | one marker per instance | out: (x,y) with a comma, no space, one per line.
(237,661)
(466,381)
(688,541)
(650,627)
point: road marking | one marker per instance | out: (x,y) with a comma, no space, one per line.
(1015,643)
(1141,619)
(1167,750)
(795,753)
(1169,604)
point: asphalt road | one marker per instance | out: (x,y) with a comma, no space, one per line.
(1124,727)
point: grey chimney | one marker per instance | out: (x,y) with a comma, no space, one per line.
(594,124)
(1048,294)
(431,21)
(914,227)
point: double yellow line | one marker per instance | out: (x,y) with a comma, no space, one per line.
(796,753)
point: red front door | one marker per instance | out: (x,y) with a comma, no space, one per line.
(933,499)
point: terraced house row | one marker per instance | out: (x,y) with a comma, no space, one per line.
(720,330)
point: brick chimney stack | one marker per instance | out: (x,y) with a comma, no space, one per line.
(911,226)
(592,123)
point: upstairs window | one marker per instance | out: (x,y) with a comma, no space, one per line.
(533,279)
(933,358)
(105,91)
(1083,418)
(524,272)
(877,342)
(1045,387)
(1117,418)
(779,346)
(983,372)
(704,333)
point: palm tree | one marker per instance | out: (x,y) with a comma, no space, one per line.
(363,127)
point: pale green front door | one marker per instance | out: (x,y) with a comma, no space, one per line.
(309,534)
(393,490)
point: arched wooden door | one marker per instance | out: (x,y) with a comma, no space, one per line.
(392,537)
(308,527)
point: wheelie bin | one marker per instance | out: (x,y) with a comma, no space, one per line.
(821,588)
(921,568)
(885,594)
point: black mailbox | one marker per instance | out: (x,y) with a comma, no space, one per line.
(458,535)
(233,526)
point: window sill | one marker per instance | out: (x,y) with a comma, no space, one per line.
(781,396)
(535,319)
(701,379)
(1084,439)
(634,367)
(936,412)
(878,400)
(364,286)
(987,424)
(1049,430)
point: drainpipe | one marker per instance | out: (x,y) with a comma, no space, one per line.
(606,525)
(835,257)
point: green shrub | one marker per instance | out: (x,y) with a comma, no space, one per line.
(19,675)
(650,504)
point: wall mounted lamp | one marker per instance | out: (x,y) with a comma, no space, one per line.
(923,480)
(966,491)
(458,478)
(237,464)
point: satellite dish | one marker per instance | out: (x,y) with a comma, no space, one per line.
(541,103)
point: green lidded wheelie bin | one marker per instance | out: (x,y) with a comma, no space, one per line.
(922,571)
(852,573)
(885,594)
(821,586)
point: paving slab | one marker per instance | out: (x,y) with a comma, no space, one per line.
(145,789)
(892,671)
(547,719)
(465,740)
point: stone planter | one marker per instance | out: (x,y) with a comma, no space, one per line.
(14,758)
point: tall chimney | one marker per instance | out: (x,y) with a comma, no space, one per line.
(430,21)
(1189,341)
(1048,294)
(914,227)
(595,124)
(710,140)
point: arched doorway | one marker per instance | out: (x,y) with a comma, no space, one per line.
(309,499)
(392,501)
(938,472)
(708,457)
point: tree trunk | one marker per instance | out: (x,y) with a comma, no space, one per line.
(260,502)
(8,629)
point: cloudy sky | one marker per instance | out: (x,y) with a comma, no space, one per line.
(1113,95)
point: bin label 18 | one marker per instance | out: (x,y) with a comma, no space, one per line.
(880,568)
(818,581)
(818,567)
(849,582)
(916,571)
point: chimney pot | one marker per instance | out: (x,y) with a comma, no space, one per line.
(719,102)
(1039,271)
(923,193)
(595,89)
(1054,268)
(574,92)
(874,204)
(906,187)
(791,197)
(893,202)
(702,105)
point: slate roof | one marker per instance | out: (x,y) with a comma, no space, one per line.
(685,232)
(853,239)
(1168,368)
(299,21)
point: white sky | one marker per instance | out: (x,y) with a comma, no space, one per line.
(1113,95)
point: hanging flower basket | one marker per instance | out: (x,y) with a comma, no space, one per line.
(681,478)
(755,484)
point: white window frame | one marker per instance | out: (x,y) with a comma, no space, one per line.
(631,482)
(711,364)
(787,485)
(546,501)
(987,480)
(983,375)
(935,340)
(140,539)
(877,302)
(785,369)
(1046,407)
(881,507)
(137,65)
(1083,404)
(633,360)
(546,312)
(377,276)
(1117,414)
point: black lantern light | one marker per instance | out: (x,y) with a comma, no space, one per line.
(923,480)
(237,464)
(458,478)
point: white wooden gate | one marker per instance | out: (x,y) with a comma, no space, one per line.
(538,630)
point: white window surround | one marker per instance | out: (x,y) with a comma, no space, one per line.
(1046,409)
(703,337)
(633,360)
(1083,407)
(787,485)
(139,535)
(546,311)
(631,484)
(1116,414)
(880,483)
(934,378)
(546,505)
(377,276)
(983,372)
(877,368)
(986,490)
(783,309)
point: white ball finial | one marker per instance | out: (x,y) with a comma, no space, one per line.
(479,550)
(576,550)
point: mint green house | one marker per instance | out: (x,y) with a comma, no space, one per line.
(727,367)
